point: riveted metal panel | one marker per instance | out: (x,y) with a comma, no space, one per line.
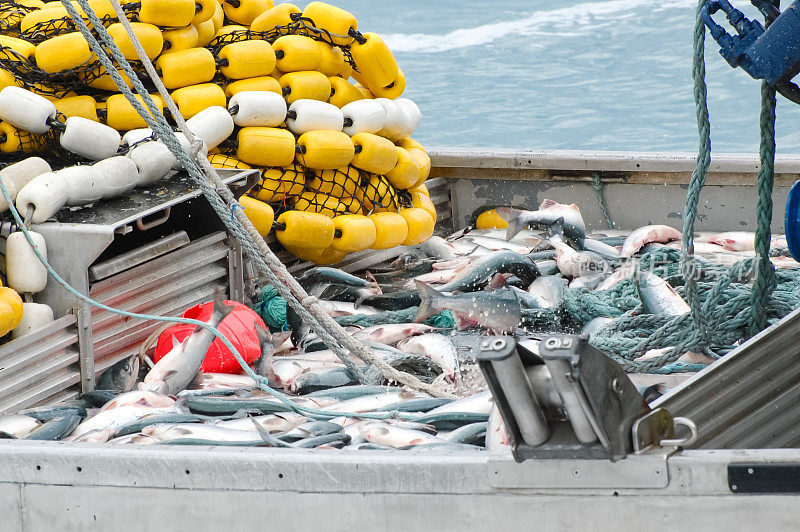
(41,367)
(748,399)
(164,286)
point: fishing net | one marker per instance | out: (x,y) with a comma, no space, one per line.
(11,14)
(299,26)
(279,186)
(84,79)
(41,31)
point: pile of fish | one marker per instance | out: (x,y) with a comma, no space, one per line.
(485,278)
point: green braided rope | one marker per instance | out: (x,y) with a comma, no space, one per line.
(764,283)
(597,185)
(698,180)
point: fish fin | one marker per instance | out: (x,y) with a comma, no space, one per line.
(427,305)
(167,375)
(375,286)
(547,203)
(279,338)
(514,219)
(175,342)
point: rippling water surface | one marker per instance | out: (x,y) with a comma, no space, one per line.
(598,75)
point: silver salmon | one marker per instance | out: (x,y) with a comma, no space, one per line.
(658,297)
(498,310)
(550,213)
(176,369)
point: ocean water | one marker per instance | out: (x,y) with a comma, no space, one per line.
(566,74)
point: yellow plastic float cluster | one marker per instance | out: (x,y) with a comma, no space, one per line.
(182,37)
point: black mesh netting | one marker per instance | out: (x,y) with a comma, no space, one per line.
(83,80)
(11,14)
(280,185)
(299,26)
(47,29)
(341,191)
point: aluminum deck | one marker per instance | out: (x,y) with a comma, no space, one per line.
(100,487)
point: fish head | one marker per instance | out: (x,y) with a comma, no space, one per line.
(131,369)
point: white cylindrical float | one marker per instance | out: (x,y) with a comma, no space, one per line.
(46,194)
(257,108)
(25,170)
(35,316)
(413,115)
(363,116)
(135,135)
(118,175)
(23,109)
(313,115)
(212,125)
(89,139)
(24,271)
(11,188)
(153,161)
(396,120)
(84,185)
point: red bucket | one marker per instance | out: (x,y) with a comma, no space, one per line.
(238,327)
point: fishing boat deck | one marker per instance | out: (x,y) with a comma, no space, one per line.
(183,487)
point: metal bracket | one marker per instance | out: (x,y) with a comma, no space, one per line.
(85,348)
(250,179)
(235,270)
(657,429)
(636,471)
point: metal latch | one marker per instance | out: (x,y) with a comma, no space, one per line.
(562,398)
(771,54)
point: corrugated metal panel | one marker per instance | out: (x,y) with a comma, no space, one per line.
(164,286)
(749,398)
(41,367)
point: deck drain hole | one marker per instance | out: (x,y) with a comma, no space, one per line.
(79,468)
(187,471)
(280,475)
(38,468)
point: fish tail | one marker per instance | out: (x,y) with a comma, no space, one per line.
(264,337)
(514,219)
(429,298)
(220,306)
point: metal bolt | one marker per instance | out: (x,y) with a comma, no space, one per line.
(616,386)
(734,487)
(749,470)
(576,472)
(498,344)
